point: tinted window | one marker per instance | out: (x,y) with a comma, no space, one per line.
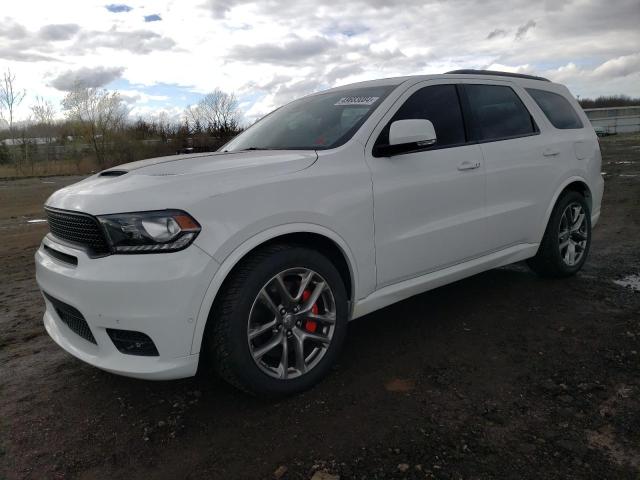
(557,109)
(440,105)
(498,112)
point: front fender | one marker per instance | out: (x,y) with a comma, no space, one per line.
(232,258)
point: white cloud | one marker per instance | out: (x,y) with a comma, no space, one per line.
(611,76)
(138,97)
(619,67)
(271,51)
(86,77)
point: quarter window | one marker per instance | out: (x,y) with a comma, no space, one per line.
(440,105)
(498,113)
(557,109)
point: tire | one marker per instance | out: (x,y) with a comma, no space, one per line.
(251,299)
(553,258)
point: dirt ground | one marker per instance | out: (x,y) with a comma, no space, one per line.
(502,375)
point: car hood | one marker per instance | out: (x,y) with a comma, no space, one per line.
(176,181)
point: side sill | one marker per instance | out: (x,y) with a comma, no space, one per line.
(414,286)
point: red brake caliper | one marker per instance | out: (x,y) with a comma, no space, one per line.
(310,325)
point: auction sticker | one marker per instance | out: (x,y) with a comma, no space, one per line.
(357,101)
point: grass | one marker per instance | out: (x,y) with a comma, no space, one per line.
(52,168)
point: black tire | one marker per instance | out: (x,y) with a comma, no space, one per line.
(226,337)
(548,261)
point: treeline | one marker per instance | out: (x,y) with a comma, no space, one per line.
(97,131)
(608,101)
(37,148)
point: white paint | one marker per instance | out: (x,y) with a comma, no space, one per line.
(36,220)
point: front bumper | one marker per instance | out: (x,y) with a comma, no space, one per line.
(157,294)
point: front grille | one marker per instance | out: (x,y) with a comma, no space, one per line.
(72,318)
(78,228)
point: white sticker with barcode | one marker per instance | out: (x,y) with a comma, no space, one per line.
(357,101)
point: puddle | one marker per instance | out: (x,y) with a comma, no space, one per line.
(630,281)
(36,220)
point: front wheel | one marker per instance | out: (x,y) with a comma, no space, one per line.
(566,240)
(280,322)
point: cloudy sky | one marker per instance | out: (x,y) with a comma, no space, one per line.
(164,54)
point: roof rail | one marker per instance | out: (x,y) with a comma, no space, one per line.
(495,72)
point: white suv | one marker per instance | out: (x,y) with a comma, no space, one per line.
(333,206)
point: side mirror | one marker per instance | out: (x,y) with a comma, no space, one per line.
(407,136)
(420,132)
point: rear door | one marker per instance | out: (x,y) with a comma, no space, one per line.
(521,168)
(428,205)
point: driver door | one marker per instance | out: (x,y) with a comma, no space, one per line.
(429,205)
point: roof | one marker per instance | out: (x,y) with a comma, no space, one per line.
(496,73)
(393,81)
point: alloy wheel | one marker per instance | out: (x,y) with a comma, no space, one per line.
(573,234)
(291,323)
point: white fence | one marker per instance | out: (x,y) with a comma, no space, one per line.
(615,119)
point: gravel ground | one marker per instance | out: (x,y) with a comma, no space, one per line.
(502,375)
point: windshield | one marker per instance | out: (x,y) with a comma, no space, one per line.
(317,122)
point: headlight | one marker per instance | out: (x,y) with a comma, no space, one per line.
(150,232)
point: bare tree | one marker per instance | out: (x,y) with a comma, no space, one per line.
(98,113)
(217,111)
(164,126)
(10,97)
(43,111)
(43,115)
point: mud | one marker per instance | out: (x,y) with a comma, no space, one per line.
(502,375)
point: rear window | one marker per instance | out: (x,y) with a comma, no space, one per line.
(498,113)
(557,109)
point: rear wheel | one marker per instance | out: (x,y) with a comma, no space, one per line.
(280,321)
(567,239)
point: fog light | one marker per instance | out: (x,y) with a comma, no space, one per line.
(133,343)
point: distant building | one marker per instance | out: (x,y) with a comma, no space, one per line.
(612,120)
(15,142)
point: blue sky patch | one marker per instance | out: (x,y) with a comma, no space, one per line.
(118,8)
(179,95)
(152,18)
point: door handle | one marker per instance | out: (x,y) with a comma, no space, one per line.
(550,152)
(467,165)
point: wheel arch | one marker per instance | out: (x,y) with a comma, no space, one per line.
(320,238)
(582,188)
(576,184)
